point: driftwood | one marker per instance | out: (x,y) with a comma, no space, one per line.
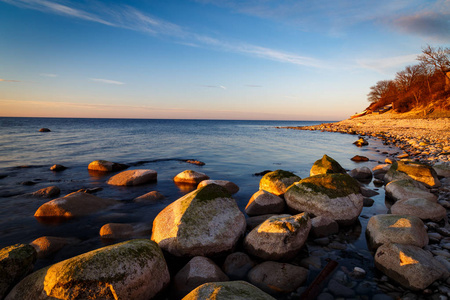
(314,289)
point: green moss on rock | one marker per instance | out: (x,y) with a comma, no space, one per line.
(332,185)
(326,165)
(238,290)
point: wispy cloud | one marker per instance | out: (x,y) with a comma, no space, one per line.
(107,81)
(383,65)
(214,86)
(9,80)
(48,75)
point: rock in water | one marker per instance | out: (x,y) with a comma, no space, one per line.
(277,182)
(46,245)
(48,192)
(411,266)
(326,165)
(361,142)
(133,177)
(335,196)
(408,188)
(44,130)
(278,238)
(422,208)
(106,166)
(231,187)
(190,177)
(134,269)
(263,202)
(57,168)
(15,263)
(204,222)
(417,171)
(359,158)
(361,173)
(74,205)
(236,290)
(152,196)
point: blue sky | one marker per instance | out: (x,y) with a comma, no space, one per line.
(207,59)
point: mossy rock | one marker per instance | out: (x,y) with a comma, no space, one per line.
(134,269)
(277,182)
(408,188)
(326,165)
(106,166)
(236,290)
(417,171)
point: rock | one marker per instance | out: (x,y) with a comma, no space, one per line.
(442,169)
(190,177)
(278,238)
(419,172)
(277,182)
(412,267)
(204,222)
(277,278)
(389,160)
(57,168)
(340,290)
(361,142)
(44,130)
(116,231)
(368,192)
(134,269)
(106,166)
(383,229)
(422,208)
(47,245)
(358,158)
(236,290)
(380,171)
(48,192)
(322,226)
(195,162)
(231,187)
(133,177)
(197,271)
(335,196)
(150,197)
(237,265)
(252,222)
(263,202)
(361,173)
(74,205)
(16,262)
(326,165)
(407,188)
(368,202)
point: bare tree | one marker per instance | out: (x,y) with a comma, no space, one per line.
(438,58)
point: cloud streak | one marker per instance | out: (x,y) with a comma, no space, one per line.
(48,75)
(107,81)
(9,80)
(383,65)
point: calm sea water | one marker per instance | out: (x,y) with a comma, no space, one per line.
(232,150)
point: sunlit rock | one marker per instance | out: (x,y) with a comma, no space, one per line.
(123,230)
(231,187)
(57,168)
(400,229)
(133,177)
(149,197)
(191,177)
(277,182)
(408,188)
(236,290)
(417,171)
(278,238)
(335,196)
(47,245)
(48,192)
(204,222)
(106,166)
(361,142)
(326,165)
(422,208)
(134,269)
(263,202)
(411,266)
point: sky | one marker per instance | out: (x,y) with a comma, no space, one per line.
(207,59)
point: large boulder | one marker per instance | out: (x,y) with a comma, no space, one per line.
(231,187)
(134,269)
(204,222)
(133,177)
(190,177)
(74,205)
(16,262)
(106,166)
(197,271)
(442,169)
(362,173)
(417,171)
(335,196)
(47,245)
(277,278)
(411,266)
(400,229)
(236,290)
(407,188)
(277,182)
(278,238)
(422,208)
(326,165)
(263,202)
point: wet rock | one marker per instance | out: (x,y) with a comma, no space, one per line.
(237,265)
(106,166)
(380,171)
(400,229)
(16,262)
(204,222)
(57,168)
(252,222)
(326,165)
(277,182)
(236,290)
(197,271)
(335,196)
(195,162)
(442,169)
(149,197)
(368,192)
(134,269)
(340,290)
(28,183)
(411,266)
(47,245)
(361,142)
(417,171)
(116,231)
(322,226)
(422,208)
(368,202)
(361,173)
(133,177)
(263,202)
(278,238)
(190,177)
(311,261)
(231,187)
(408,188)
(277,278)
(44,130)
(359,158)
(48,192)
(73,205)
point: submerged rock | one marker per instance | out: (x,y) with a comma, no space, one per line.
(418,207)
(123,230)
(263,202)
(326,165)
(149,197)
(134,269)
(191,177)
(204,222)
(57,168)
(106,166)
(322,226)
(277,182)
(47,245)
(408,188)
(231,187)
(236,290)
(133,177)
(48,192)
(44,130)
(335,196)
(417,171)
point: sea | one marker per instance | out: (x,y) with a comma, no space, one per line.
(231,150)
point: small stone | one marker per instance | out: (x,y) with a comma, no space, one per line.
(368,202)
(359,158)
(150,197)
(57,168)
(44,130)
(190,176)
(337,246)
(340,290)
